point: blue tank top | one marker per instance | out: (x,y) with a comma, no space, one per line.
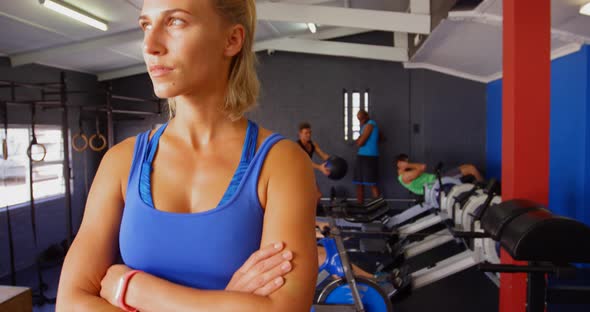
(200,250)
(371,145)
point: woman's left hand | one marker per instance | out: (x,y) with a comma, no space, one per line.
(109,283)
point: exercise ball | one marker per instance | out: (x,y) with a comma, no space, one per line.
(337,166)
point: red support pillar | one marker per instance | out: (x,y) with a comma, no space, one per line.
(525,119)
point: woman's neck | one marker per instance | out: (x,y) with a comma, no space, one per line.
(200,121)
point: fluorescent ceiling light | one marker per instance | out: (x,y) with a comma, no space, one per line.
(75,13)
(312,27)
(585,9)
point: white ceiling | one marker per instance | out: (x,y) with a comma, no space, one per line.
(467,43)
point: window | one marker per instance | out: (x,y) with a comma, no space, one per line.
(356,106)
(345,116)
(359,100)
(48,179)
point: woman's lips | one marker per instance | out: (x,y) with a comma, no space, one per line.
(159,70)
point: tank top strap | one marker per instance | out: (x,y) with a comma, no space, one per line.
(259,159)
(250,142)
(139,152)
(153,144)
(145,189)
(248,152)
(270,141)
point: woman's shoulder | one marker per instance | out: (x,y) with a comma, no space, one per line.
(123,148)
(118,158)
(286,166)
(283,152)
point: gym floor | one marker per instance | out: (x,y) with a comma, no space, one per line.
(469,290)
(28,278)
(477,292)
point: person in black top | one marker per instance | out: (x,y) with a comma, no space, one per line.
(311,148)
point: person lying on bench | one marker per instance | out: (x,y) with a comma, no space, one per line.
(379,276)
(413,176)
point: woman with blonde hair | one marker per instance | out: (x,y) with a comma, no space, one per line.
(189,205)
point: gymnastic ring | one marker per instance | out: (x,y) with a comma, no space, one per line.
(94,147)
(84,138)
(29,152)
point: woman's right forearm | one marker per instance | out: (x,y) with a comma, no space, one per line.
(85,302)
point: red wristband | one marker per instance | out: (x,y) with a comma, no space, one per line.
(122,291)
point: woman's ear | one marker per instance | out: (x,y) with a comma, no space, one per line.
(235,40)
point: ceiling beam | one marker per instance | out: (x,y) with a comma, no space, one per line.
(307,2)
(345,17)
(35,25)
(329,33)
(95,43)
(446,70)
(122,72)
(333,48)
(308,46)
(273,28)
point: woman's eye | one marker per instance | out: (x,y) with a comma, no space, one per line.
(176,22)
(145,26)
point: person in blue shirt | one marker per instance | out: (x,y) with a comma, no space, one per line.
(210,212)
(366,167)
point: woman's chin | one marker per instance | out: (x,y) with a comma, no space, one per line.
(165,92)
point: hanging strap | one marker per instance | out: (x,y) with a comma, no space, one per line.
(5,118)
(34,140)
(32,197)
(5,139)
(99,136)
(80,136)
(11,249)
(8,223)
